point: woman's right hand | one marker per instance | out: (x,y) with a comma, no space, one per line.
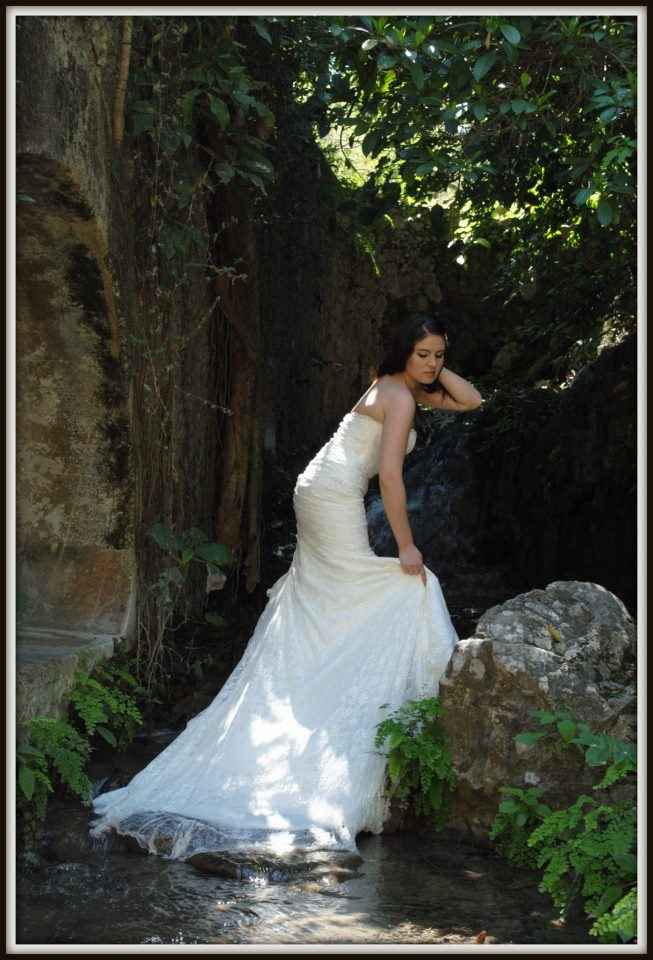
(411,561)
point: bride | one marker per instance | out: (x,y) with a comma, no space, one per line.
(283,757)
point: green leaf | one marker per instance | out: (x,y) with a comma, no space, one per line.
(605,212)
(610,896)
(582,196)
(530,737)
(255,179)
(369,44)
(216,553)
(435,793)
(484,64)
(511,33)
(370,143)
(260,164)
(566,729)
(225,171)
(417,74)
(220,111)
(187,555)
(396,737)
(479,110)
(607,115)
(628,861)
(525,79)
(395,766)
(521,819)
(27,781)
(481,242)
(518,106)
(544,716)
(107,735)
(163,536)
(385,61)
(24,198)
(262,30)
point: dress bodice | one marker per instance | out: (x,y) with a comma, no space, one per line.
(350,457)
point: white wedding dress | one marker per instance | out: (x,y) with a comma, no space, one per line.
(284,758)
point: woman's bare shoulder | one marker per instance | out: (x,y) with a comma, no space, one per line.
(395,398)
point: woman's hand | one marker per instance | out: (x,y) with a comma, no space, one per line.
(411,562)
(458,394)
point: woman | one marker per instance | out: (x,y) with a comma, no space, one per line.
(414,368)
(283,757)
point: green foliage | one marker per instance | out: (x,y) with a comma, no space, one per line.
(518,814)
(533,142)
(53,749)
(587,849)
(476,100)
(419,764)
(598,749)
(185,548)
(105,710)
(619,924)
(190,74)
(56,752)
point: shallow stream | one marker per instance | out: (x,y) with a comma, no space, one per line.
(412,888)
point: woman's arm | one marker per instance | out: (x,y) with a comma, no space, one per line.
(458,394)
(397,421)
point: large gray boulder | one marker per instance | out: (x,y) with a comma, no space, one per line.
(569,647)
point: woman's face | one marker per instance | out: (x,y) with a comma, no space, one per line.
(427,359)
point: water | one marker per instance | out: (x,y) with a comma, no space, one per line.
(411,887)
(417,888)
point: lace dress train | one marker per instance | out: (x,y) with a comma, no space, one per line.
(283,757)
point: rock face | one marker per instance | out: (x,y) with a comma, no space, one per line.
(552,484)
(74,544)
(570,647)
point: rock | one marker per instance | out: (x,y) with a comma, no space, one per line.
(310,865)
(506,358)
(569,647)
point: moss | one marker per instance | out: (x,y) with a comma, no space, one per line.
(85,283)
(87,290)
(57,199)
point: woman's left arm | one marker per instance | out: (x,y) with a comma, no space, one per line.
(458,394)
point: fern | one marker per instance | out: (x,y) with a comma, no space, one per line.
(108,711)
(518,814)
(619,924)
(419,764)
(586,849)
(54,746)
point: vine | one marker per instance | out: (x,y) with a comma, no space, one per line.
(197,121)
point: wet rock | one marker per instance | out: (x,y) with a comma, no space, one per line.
(570,647)
(309,865)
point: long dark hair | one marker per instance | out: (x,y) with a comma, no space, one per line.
(404,338)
